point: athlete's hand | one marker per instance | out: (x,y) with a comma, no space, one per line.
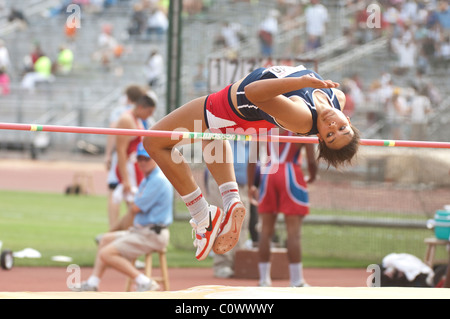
(126,188)
(313,82)
(253,195)
(108,162)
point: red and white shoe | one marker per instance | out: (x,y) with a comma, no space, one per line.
(230,228)
(206,231)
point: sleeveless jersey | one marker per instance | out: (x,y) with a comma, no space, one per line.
(135,174)
(252,113)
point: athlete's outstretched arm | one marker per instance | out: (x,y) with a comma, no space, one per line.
(265,90)
(291,113)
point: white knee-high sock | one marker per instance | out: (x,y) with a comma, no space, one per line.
(196,204)
(296,274)
(264,273)
(230,193)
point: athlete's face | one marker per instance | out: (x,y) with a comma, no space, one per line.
(334,128)
(144,112)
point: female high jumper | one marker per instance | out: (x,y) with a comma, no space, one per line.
(292,98)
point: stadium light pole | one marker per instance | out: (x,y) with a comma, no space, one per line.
(174,55)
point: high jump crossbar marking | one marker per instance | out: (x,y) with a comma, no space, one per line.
(209,136)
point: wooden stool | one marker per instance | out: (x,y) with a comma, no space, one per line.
(164,279)
(431,243)
(246,264)
(85,181)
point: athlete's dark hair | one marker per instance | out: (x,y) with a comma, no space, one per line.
(343,156)
(148,99)
(134,93)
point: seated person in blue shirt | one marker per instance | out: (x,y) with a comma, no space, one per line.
(150,215)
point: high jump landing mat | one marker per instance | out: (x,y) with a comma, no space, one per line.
(228,292)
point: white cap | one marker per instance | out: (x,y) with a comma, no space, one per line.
(152,95)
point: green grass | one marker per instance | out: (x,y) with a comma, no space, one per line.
(58,224)
(350,246)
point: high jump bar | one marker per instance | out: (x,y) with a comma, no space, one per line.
(209,136)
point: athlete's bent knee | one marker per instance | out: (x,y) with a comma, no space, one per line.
(151,145)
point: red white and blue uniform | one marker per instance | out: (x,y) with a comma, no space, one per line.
(135,174)
(221,116)
(283,188)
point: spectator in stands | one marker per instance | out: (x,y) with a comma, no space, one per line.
(443,54)
(316,16)
(157,24)
(428,50)
(406,51)
(362,32)
(267,32)
(230,38)
(138,21)
(354,88)
(384,93)
(193,7)
(30,59)
(387,86)
(42,73)
(397,110)
(420,81)
(36,52)
(154,69)
(391,15)
(17,16)
(349,101)
(419,108)
(283,189)
(109,47)
(146,224)
(64,61)
(409,11)
(4,82)
(375,103)
(420,32)
(443,16)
